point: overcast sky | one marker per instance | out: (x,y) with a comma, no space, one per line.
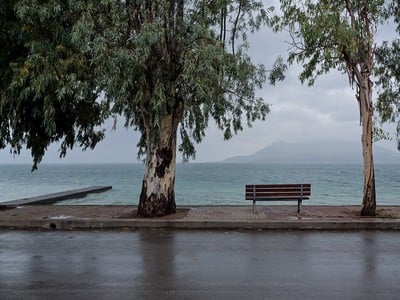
(326,111)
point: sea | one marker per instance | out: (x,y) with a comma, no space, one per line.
(199,183)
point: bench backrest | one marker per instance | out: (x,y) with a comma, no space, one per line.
(278,190)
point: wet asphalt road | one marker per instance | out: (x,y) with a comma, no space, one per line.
(163,264)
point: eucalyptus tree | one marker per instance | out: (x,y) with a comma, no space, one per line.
(167,67)
(340,35)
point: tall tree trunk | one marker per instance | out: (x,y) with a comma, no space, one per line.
(158,196)
(366,109)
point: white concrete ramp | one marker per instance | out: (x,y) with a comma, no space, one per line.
(55,197)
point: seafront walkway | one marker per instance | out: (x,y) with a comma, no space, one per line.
(274,217)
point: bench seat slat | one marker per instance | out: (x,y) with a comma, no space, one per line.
(278,194)
(278,199)
(292,186)
(272,191)
(279,186)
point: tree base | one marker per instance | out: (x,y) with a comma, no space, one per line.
(156,205)
(368,211)
(145,212)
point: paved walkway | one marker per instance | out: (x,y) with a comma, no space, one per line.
(199,217)
(199,264)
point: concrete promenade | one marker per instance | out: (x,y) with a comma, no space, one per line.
(274,217)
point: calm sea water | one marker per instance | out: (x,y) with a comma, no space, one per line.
(199,183)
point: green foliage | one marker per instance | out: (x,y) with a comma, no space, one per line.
(326,36)
(387,72)
(49,95)
(277,73)
(84,61)
(340,35)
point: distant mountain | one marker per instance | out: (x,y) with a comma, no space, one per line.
(316,152)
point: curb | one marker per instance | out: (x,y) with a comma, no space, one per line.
(130,224)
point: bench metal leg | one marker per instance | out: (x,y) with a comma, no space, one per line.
(299,205)
(254,206)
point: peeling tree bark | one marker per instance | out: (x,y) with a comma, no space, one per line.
(157,197)
(366,109)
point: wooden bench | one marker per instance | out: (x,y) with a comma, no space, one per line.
(278,192)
